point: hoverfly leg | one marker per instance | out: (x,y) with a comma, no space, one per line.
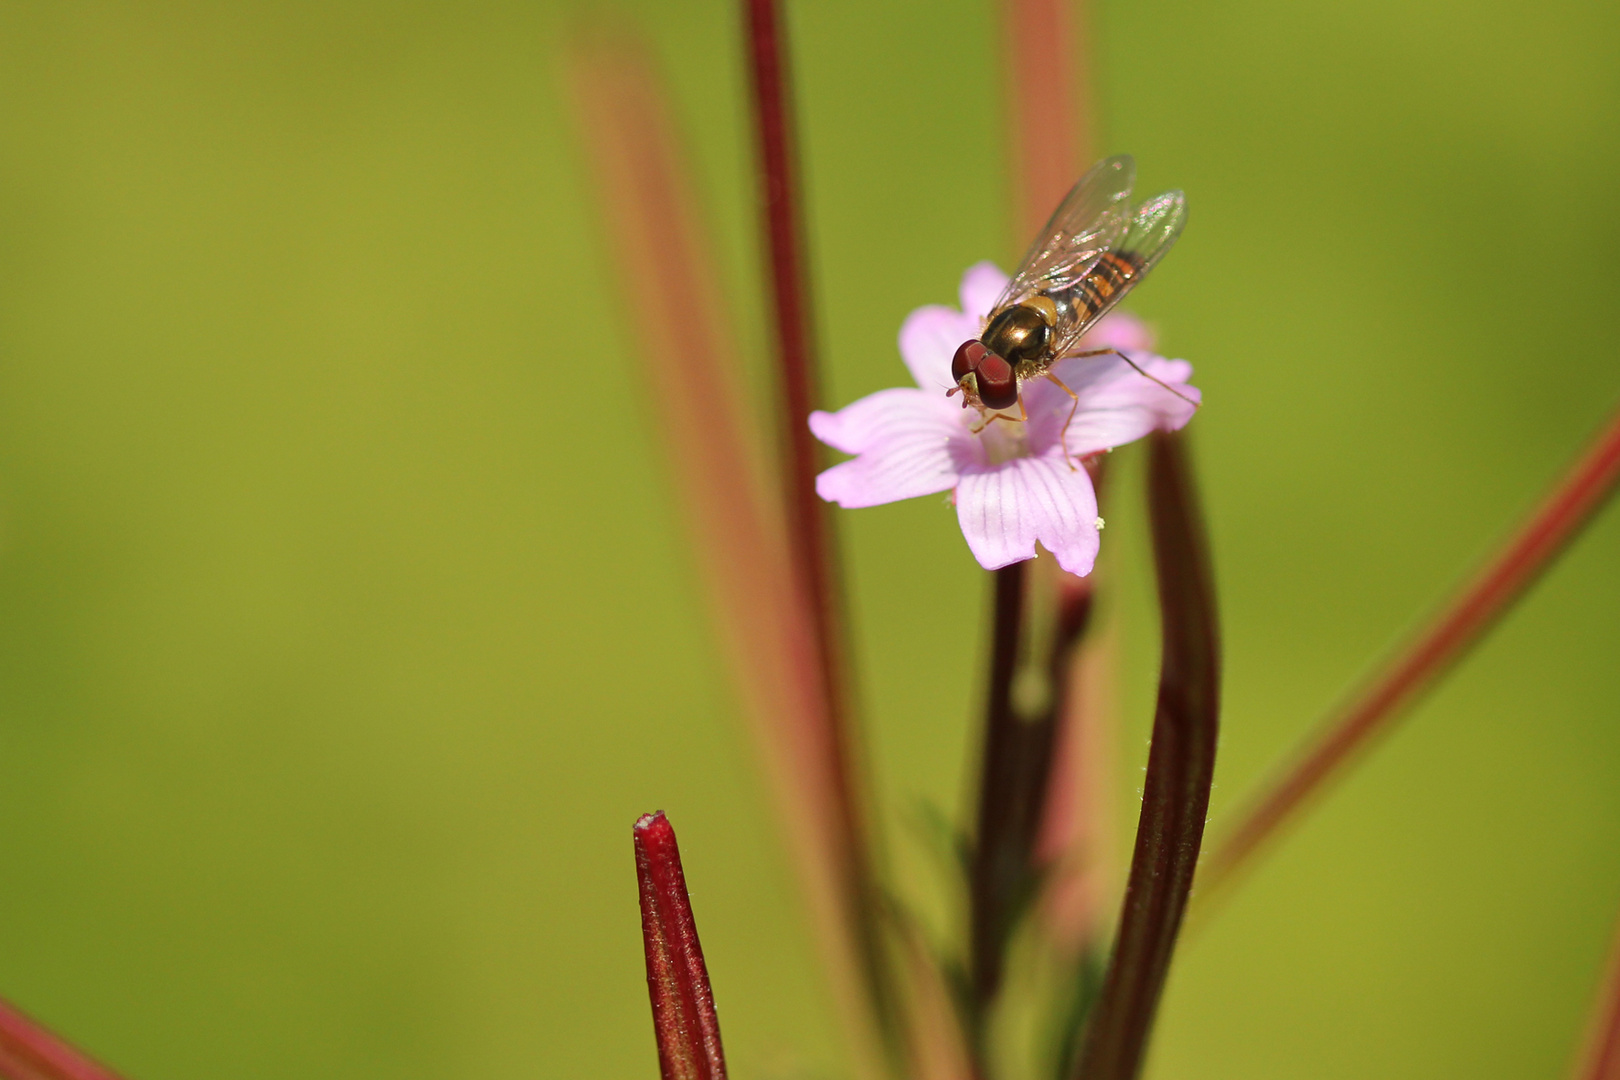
(1138,370)
(1063,434)
(1023,418)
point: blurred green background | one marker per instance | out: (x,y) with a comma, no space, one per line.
(339,654)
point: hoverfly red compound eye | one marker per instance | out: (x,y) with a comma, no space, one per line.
(968,355)
(998,386)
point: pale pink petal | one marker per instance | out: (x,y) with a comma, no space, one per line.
(1005,509)
(908,443)
(1117,403)
(929,338)
(981,286)
(1118,330)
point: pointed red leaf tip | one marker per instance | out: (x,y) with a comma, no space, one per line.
(29,1052)
(684,1019)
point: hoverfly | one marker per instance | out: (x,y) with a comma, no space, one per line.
(1091,253)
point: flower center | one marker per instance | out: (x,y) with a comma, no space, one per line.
(1005,439)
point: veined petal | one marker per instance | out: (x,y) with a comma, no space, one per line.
(908,443)
(897,414)
(929,338)
(981,284)
(1117,403)
(1005,509)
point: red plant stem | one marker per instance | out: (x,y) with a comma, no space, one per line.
(1045,72)
(684,1019)
(1046,96)
(688,356)
(1415,668)
(1181,766)
(999,870)
(1600,1053)
(1069,843)
(29,1052)
(809,523)
(790,304)
(1073,840)
(1016,762)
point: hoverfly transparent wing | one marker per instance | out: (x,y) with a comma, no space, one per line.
(1091,218)
(1153,227)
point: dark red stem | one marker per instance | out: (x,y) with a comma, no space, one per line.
(1181,765)
(1049,129)
(29,1052)
(1016,765)
(1460,625)
(684,1019)
(809,524)
(790,302)
(998,871)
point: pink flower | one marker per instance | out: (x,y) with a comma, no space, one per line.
(1013,485)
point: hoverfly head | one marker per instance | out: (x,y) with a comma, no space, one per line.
(983,377)
(964,369)
(998,383)
(966,360)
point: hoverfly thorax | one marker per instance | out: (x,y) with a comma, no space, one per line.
(1022,333)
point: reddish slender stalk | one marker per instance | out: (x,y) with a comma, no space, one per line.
(999,876)
(29,1052)
(1033,611)
(808,518)
(1416,667)
(684,1019)
(936,1040)
(1600,1053)
(1076,831)
(1046,77)
(736,530)
(782,212)
(1181,766)
(1031,644)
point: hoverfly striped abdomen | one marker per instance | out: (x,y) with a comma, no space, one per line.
(1112,275)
